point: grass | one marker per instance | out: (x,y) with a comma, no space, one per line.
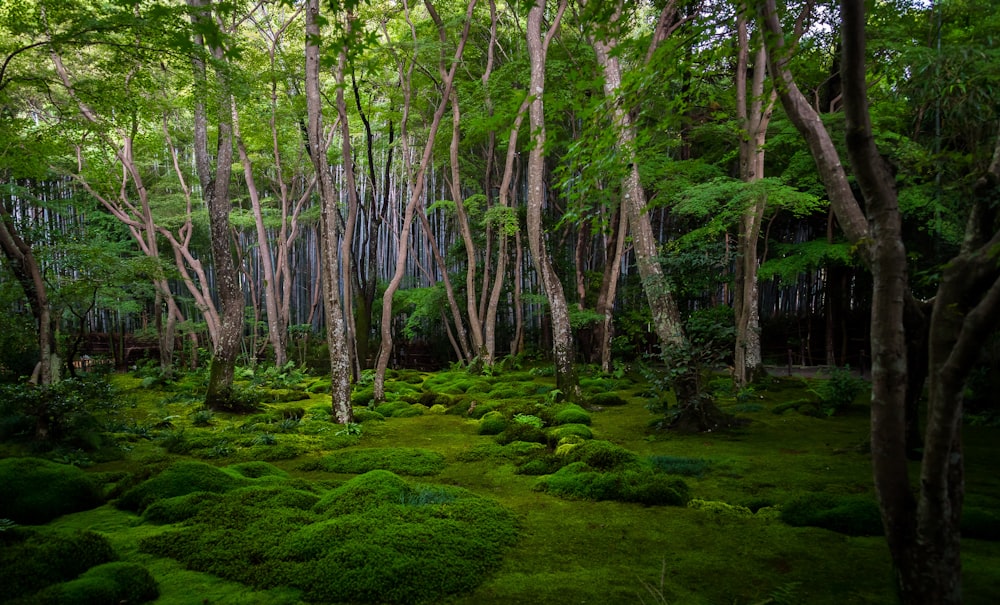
(567,550)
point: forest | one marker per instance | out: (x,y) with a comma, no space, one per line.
(464,301)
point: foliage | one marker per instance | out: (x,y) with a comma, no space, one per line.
(680,465)
(402,461)
(530,420)
(37,491)
(374,539)
(33,558)
(68,410)
(838,392)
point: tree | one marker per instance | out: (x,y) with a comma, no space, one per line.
(215,190)
(331,229)
(921,523)
(562,334)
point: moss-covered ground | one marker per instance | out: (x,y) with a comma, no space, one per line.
(479,490)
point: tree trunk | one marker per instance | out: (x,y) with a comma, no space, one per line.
(336,331)
(562,334)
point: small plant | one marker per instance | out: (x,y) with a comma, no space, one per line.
(746,394)
(839,391)
(202,418)
(351,429)
(289,424)
(6,524)
(265,439)
(554,396)
(530,420)
(221,449)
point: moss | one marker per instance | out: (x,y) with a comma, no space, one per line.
(492,423)
(483,408)
(176,480)
(580,481)
(520,431)
(980,524)
(403,461)
(366,415)
(36,491)
(437,408)
(110,583)
(721,510)
(31,559)
(257,469)
(601,455)
(570,413)
(851,515)
(400,409)
(374,539)
(680,465)
(606,400)
(557,434)
(363,396)
(178,508)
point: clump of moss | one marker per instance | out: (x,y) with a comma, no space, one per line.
(570,413)
(606,400)
(721,510)
(492,423)
(403,461)
(366,415)
(494,451)
(257,469)
(558,434)
(680,465)
(851,515)
(521,431)
(578,480)
(33,558)
(374,539)
(178,508)
(116,582)
(37,491)
(179,479)
(601,455)
(399,409)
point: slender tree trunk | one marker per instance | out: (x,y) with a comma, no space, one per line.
(330,228)
(614,251)
(562,334)
(215,190)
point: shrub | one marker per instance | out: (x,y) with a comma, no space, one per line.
(839,391)
(116,582)
(679,465)
(31,559)
(179,479)
(492,423)
(37,491)
(607,400)
(851,515)
(570,413)
(402,461)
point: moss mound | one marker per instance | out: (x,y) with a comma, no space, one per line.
(37,491)
(851,515)
(31,559)
(178,508)
(601,455)
(374,539)
(492,423)
(606,400)
(179,479)
(400,409)
(415,462)
(110,583)
(570,413)
(580,481)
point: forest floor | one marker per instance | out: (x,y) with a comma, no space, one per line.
(715,550)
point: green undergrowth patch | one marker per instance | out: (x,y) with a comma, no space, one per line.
(116,582)
(36,491)
(851,515)
(34,558)
(374,539)
(402,461)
